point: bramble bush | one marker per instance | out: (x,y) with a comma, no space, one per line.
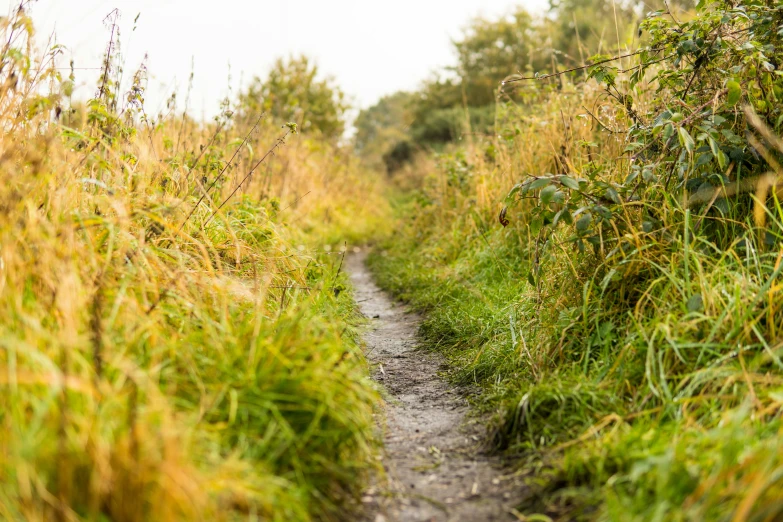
(624,322)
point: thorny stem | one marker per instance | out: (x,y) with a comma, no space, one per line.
(220,175)
(279,143)
(581,67)
(107,63)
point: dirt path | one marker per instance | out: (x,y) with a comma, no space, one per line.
(435,471)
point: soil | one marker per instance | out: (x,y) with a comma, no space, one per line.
(435,470)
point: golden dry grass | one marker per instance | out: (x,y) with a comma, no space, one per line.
(154,367)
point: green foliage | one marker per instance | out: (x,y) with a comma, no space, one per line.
(579,28)
(294,91)
(462,98)
(398,155)
(624,324)
(452,124)
(382,124)
(687,137)
(491,50)
(171,344)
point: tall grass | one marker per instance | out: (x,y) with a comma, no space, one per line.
(636,379)
(163,357)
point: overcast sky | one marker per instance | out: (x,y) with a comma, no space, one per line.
(371,47)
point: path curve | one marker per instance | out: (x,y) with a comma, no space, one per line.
(434,469)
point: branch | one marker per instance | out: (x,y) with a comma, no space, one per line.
(581,67)
(601,123)
(225,168)
(279,143)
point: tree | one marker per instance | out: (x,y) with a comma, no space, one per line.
(491,50)
(386,121)
(384,126)
(579,29)
(463,97)
(294,92)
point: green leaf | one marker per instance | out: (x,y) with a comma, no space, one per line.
(569,182)
(513,191)
(714,147)
(735,92)
(539,183)
(723,160)
(604,212)
(703,159)
(695,303)
(563,215)
(583,223)
(729,135)
(686,140)
(541,518)
(536,224)
(718,153)
(547,194)
(668,130)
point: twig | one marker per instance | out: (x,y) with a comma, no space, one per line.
(280,142)
(296,201)
(206,192)
(107,65)
(581,67)
(198,158)
(669,11)
(187,104)
(600,122)
(342,259)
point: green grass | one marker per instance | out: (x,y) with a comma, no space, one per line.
(626,336)
(169,353)
(230,398)
(640,387)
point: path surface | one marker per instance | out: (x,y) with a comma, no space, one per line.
(434,469)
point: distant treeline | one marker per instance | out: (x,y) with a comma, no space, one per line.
(461,98)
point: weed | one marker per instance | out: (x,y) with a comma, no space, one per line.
(167,351)
(622,319)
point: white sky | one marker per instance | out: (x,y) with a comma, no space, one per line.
(371,47)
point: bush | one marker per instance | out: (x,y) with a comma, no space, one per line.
(622,319)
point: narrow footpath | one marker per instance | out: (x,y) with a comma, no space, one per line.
(435,470)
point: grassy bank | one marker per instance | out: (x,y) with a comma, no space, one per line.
(174,344)
(624,330)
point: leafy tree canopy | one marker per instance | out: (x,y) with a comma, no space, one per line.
(294,91)
(490,50)
(385,122)
(463,97)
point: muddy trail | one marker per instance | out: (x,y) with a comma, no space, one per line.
(435,470)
